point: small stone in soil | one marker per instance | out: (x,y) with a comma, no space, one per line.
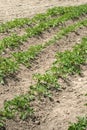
(58,101)
(37,122)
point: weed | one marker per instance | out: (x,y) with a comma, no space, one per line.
(80,125)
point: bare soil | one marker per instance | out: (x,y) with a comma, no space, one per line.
(10,9)
(67,104)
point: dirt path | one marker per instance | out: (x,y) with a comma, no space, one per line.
(10,9)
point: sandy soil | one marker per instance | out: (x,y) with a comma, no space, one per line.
(67,104)
(10,9)
(71,105)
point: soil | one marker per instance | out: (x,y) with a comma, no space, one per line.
(70,105)
(66,105)
(20,83)
(10,9)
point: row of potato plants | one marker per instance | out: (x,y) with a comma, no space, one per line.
(10,65)
(21,22)
(66,63)
(25,56)
(14,40)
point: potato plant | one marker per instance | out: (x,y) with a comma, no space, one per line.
(81,124)
(15,40)
(26,56)
(66,63)
(7,67)
(56,11)
(21,104)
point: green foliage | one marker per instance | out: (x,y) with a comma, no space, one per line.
(80,125)
(20,105)
(12,41)
(48,80)
(26,56)
(2,120)
(7,67)
(42,23)
(56,11)
(66,30)
(15,23)
(68,62)
(65,62)
(39,90)
(42,26)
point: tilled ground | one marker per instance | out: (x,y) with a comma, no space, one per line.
(66,105)
(10,9)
